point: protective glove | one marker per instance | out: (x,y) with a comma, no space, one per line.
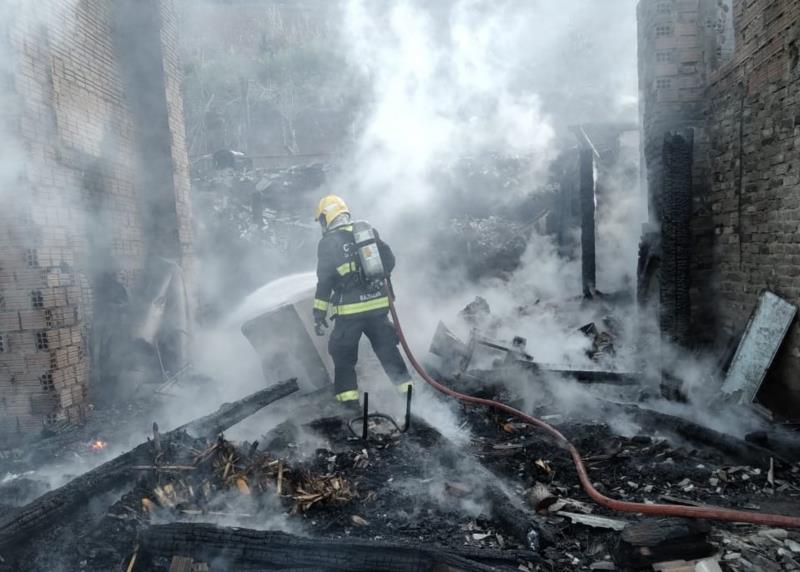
(320,325)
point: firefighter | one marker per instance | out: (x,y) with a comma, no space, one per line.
(359,304)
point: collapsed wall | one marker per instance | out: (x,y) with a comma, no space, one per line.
(95,185)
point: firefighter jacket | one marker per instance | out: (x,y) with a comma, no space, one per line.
(340,284)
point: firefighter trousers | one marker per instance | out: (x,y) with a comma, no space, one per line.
(343,347)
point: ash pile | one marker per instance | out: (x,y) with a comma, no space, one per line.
(191,498)
(480,492)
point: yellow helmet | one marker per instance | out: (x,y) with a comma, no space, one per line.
(329,208)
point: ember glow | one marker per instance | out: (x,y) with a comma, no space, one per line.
(98,445)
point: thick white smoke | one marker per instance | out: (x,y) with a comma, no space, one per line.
(445,81)
(469,77)
(466,78)
(442,87)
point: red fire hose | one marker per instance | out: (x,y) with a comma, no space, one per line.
(707,512)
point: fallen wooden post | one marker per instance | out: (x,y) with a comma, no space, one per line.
(662,539)
(510,512)
(229,414)
(270,550)
(730,446)
(50,508)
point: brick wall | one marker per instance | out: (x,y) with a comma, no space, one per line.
(754,129)
(77,209)
(742,102)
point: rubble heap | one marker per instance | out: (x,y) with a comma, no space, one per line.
(495,494)
(508,500)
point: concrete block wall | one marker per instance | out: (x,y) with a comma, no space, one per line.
(754,177)
(76,206)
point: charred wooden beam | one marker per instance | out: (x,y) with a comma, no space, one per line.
(782,442)
(662,540)
(50,508)
(676,239)
(270,550)
(588,376)
(732,447)
(588,264)
(523,524)
(229,414)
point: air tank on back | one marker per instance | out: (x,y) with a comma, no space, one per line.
(369,256)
